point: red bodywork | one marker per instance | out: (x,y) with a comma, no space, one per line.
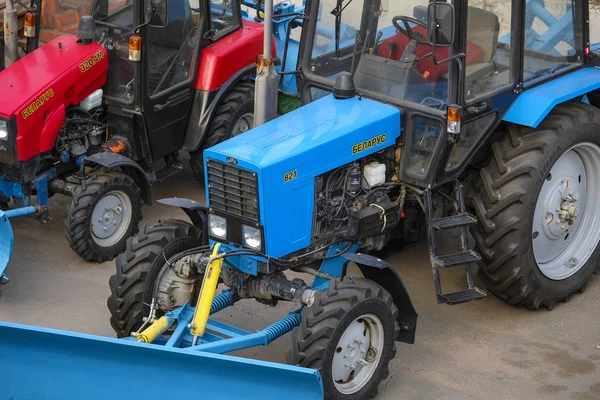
(426,66)
(40,86)
(224,58)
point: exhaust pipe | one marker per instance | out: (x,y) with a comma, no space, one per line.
(11,51)
(265,98)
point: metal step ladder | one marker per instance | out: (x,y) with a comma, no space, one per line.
(462,259)
(168,172)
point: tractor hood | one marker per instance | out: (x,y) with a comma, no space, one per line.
(288,153)
(313,139)
(38,88)
(30,77)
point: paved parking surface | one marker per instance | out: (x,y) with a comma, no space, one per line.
(482,350)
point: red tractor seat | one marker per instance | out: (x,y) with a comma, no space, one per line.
(426,66)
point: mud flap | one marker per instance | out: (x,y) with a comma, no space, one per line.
(383,274)
(40,363)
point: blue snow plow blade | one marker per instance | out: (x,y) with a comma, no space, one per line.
(7,237)
(39,363)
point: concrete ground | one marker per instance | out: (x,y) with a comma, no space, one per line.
(482,350)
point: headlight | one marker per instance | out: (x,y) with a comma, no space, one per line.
(3,130)
(252,237)
(217,226)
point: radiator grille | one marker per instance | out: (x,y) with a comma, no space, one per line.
(233,190)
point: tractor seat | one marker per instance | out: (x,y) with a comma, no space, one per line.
(482,40)
(396,44)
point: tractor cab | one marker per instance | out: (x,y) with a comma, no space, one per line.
(155,56)
(424,56)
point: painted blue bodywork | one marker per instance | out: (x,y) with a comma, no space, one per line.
(14,190)
(533,105)
(334,266)
(311,140)
(68,365)
(40,363)
(7,237)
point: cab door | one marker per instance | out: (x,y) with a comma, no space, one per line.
(489,80)
(171,55)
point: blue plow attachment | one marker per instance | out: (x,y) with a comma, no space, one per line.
(7,237)
(39,363)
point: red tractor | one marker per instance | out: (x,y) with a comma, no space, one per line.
(102,116)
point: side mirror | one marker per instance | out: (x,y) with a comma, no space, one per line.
(440,23)
(157,13)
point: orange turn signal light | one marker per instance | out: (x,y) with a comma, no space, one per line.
(135,48)
(454,116)
(29,23)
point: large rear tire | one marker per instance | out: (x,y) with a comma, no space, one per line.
(106,210)
(234,116)
(134,284)
(533,256)
(349,335)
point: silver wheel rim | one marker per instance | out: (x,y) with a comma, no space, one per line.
(244,124)
(566,221)
(357,354)
(111,218)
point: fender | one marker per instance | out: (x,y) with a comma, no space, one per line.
(535,104)
(194,210)
(204,107)
(384,275)
(127,165)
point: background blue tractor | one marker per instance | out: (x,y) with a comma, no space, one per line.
(423,121)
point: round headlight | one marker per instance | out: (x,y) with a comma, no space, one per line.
(217,226)
(252,237)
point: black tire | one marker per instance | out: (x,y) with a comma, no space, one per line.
(137,269)
(504,197)
(235,104)
(314,341)
(79,214)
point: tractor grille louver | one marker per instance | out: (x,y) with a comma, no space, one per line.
(233,190)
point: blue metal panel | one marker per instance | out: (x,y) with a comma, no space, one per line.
(40,363)
(535,104)
(309,141)
(11,189)
(7,236)
(335,266)
(6,244)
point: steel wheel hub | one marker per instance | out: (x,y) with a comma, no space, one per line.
(566,223)
(244,124)
(111,218)
(357,354)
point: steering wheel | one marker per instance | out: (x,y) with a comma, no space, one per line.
(407,30)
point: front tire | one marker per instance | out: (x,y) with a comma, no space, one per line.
(537,254)
(134,284)
(106,209)
(349,335)
(234,116)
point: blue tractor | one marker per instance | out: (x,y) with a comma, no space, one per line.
(474,126)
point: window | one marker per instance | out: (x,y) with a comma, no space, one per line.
(172,48)
(387,59)
(223,17)
(553,41)
(488,54)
